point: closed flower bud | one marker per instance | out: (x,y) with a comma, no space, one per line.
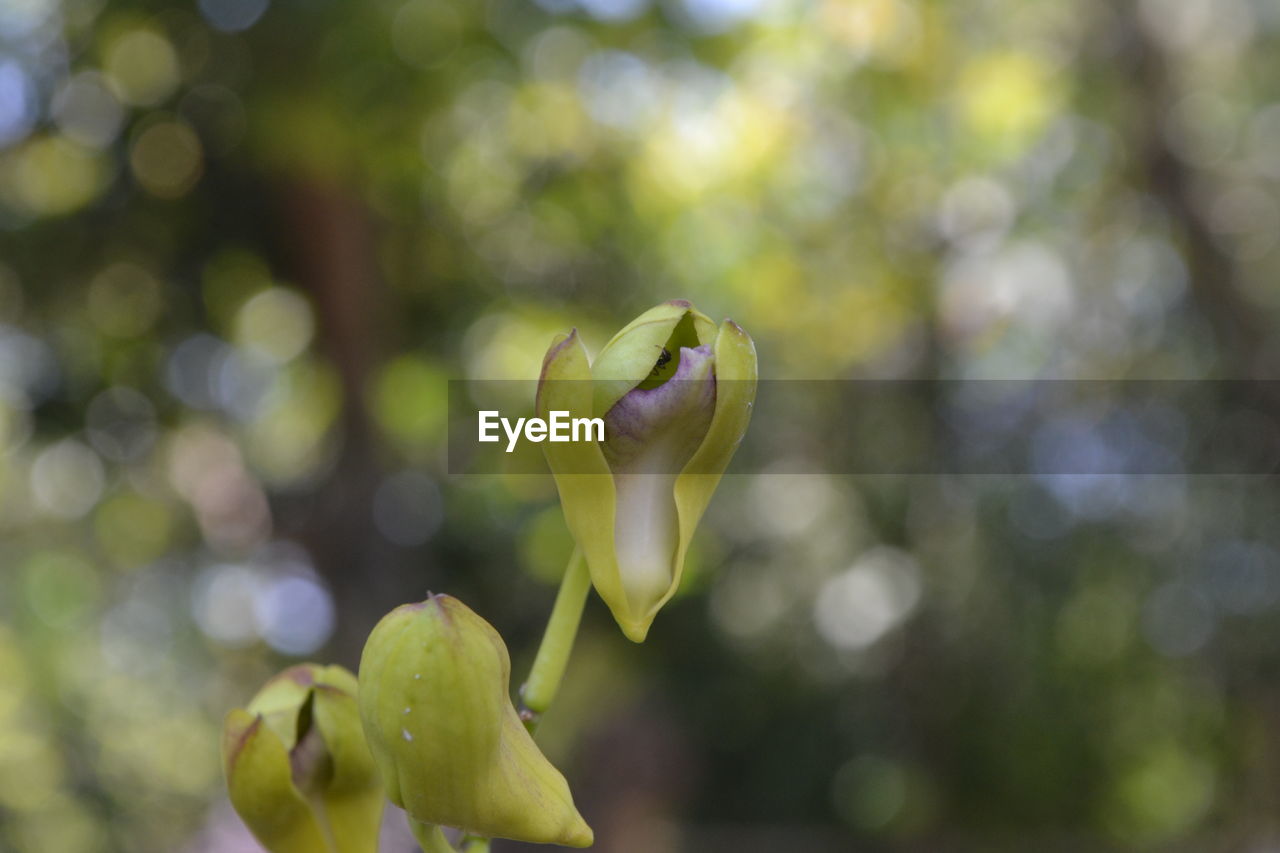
(449,745)
(675,392)
(298,771)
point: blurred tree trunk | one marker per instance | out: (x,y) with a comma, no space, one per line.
(328,242)
(1240,330)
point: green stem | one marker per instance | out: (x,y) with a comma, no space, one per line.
(539,691)
(473,844)
(429,837)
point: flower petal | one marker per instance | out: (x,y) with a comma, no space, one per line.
(353,798)
(650,435)
(736,376)
(260,786)
(581,473)
(629,357)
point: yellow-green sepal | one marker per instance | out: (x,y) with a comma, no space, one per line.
(260,786)
(736,377)
(353,799)
(583,478)
(629,357)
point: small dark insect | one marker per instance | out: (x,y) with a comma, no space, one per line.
(662,361)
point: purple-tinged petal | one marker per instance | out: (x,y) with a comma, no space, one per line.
(650,435)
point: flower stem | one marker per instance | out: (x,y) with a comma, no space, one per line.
(429,837)
(540,689)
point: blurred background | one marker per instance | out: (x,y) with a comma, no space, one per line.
(244,245)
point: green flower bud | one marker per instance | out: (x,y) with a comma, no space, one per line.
(449,745)
(675,393)
(298,771)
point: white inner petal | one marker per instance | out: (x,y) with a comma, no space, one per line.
(645,535)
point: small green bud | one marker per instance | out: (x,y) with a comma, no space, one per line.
(434,697)
(675,392)
(298,771)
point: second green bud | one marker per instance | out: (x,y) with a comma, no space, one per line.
(448,743)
